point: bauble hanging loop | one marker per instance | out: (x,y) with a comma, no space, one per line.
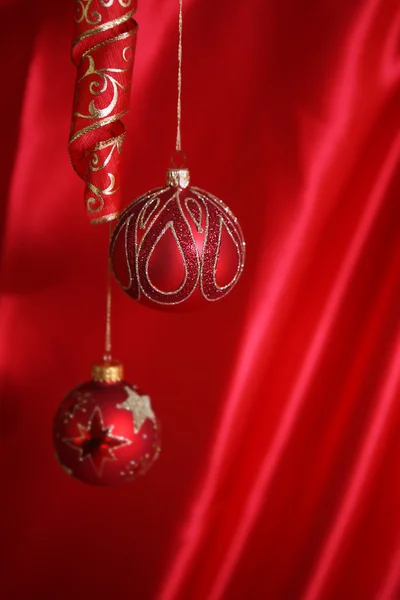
(177,245)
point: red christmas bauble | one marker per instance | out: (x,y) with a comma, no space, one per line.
(105,432)
(176,245)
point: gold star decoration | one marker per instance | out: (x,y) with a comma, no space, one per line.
(140,407)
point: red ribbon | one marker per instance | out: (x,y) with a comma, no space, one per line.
(103,52)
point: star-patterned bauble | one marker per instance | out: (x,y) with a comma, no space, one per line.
(105,431)
(177,246)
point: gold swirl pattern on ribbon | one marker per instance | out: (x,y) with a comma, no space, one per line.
(103,52)
(82,8)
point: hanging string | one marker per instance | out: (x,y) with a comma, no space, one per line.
(178,145)
(107,343)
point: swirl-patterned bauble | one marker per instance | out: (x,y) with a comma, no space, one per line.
(105,431)
(177,246)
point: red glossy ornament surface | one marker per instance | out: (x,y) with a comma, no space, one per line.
(176,247)
(106,434)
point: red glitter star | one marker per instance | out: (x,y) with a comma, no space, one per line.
(96,442)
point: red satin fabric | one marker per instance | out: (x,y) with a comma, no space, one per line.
(279,476)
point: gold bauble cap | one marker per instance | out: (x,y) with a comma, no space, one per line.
(178,178)
(108,371)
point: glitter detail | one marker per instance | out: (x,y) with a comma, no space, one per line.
(195,211)
(171,216)
(75,402)
(216,222)
(184,213)
(140,407)
(131,470)
(147,212)
(67,469)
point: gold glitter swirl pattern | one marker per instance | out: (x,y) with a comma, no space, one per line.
(197,229)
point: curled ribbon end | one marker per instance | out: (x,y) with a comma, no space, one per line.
(104,219)
(103,52)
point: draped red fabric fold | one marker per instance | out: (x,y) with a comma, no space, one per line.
(279,476)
